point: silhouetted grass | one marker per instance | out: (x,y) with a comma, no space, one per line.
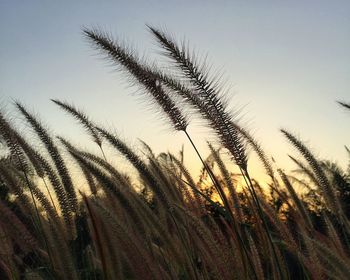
(167,224)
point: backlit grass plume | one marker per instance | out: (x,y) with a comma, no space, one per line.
(82,118)
(54,153)
(68,213)
(344,104)
(210,105)
(140,73)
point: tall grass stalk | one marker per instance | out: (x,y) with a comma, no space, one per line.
(165,223)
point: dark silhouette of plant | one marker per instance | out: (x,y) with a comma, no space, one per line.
(100,222)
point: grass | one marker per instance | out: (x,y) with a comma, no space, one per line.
(172,228)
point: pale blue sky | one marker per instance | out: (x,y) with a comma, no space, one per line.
(287,62)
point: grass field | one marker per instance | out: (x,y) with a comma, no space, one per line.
(167,224)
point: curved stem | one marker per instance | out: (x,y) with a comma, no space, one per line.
(252,191)
(226,204)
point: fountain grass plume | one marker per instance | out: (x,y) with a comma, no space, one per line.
(211,106)
(54,153)
(345,105)
(328,190)
(82,118)
(140,73)
(137,162)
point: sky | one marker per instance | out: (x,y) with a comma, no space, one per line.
(287,62)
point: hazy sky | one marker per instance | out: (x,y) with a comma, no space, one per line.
(287,63)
